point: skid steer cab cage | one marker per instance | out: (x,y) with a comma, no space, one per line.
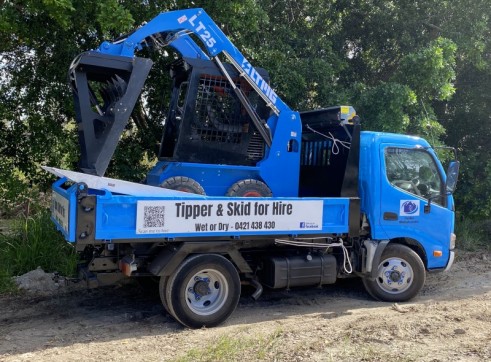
(207,122)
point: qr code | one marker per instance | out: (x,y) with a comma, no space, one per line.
(153,216)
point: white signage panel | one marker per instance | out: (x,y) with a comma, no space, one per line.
(188,216)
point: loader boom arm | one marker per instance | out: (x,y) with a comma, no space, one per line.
(174,28)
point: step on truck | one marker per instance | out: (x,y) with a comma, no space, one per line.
(246,191)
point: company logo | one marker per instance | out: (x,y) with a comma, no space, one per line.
(309,225)
(409,208)
(260,82)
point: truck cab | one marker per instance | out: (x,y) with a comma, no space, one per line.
(403,195)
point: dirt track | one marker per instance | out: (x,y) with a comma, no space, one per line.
(449,321)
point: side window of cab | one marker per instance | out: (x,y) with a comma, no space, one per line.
(414,171)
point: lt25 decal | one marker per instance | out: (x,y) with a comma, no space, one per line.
(204,34)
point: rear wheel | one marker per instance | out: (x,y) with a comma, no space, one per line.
(203,291)
(162,293)
(184,184)
(400,275)
(249,188)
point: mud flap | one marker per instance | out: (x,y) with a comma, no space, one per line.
(377,258)
(105,90)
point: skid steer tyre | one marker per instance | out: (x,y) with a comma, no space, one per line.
(184,184)
(203,291)
(249,188)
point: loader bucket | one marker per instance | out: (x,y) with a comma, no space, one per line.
(105,90)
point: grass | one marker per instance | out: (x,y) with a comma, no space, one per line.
(227,348)
(473,235)
(7,285)
(33,242)
(277,346)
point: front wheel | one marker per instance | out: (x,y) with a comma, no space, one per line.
(203,291)
(400,275)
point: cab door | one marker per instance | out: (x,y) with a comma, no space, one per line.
(410,177)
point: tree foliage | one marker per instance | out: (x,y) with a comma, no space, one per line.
(419,67)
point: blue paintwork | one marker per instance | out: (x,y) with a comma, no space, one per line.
(116,214)
(195,21)
(116,218)
(284,124)
(70,195)
(279,169)
(188,48)
(432,231)
(216,180)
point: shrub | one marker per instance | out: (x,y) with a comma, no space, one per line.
(473,235)
(34,242)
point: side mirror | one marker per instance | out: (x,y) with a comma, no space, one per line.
(452,176)
(450,184)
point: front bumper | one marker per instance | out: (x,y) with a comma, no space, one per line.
(450,260)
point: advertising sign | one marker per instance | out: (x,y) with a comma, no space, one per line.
(201,216)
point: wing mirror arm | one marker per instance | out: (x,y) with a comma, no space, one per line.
(427,207)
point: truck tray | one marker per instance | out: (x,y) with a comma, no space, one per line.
(110,216)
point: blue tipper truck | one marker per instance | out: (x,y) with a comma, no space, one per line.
(246,191)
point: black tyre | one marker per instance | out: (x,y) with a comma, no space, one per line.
(249,188)
(184,184)
(203,291)
(400,275)
(162,293)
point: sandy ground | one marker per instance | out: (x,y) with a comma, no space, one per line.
(449,321)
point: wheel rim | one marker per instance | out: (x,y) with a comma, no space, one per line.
(395,275)
(184,189)
(206,292)
(252,194)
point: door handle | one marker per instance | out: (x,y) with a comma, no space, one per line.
(390,216)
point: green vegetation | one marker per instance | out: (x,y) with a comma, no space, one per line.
(227,348)
(33,242)
(271,347)
(473,235)
(7,285)
(412,67)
